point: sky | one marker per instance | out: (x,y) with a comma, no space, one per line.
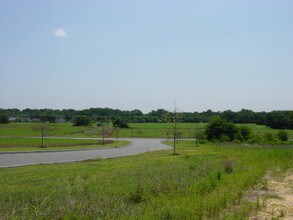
(146,55)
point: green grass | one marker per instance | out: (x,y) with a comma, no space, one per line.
(33,144)
(159,130)
(27,129)
(156,130)
(205,182)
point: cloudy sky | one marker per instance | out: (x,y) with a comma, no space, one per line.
(145,55)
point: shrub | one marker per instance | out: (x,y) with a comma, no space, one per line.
(118,123)
(243,133)
(228,166)
(220,129)
(81,120)
(4,119)
(269,137)
(283,135)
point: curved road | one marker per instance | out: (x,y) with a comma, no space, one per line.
(137,146)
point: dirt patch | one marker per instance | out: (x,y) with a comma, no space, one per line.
(274,197)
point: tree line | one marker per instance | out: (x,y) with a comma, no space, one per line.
(274,119)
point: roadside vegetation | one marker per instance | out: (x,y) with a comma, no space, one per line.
(205,182)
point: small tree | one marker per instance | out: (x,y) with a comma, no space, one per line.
(173,118)
(44,129)
(104,131)
(199,136)
(117,130)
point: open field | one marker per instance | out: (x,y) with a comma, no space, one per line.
(18,131)
(33,144)
(201,182)
(155,130)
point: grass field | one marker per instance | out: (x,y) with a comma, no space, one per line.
(33,144)
(149,130)
(205,182)
(156,130)
(28,129)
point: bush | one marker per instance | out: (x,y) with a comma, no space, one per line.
(283,135)
(118,123)
(243,133)
(81,121)
(269,137)
(229,166)
(4,119)
(220,129)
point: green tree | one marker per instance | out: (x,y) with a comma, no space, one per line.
(4,119)
(220,129)
(119,123)
(81,121)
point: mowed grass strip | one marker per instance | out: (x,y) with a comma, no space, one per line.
(33,144)
(203,182)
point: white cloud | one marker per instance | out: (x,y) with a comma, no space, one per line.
(60,32)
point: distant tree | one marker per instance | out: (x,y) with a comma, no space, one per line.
(119,123)
(48,118)
(283,135)
(4,119)
(228,115)
(81,121)
(44,129)
(280,119)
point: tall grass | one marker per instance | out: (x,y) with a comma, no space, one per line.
(203,182)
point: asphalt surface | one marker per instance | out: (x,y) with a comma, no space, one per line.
(137,146)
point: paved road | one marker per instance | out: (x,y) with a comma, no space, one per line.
(137,146)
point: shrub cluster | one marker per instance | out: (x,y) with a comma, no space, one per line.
(222,130)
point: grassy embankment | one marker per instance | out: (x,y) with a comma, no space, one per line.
(204,182)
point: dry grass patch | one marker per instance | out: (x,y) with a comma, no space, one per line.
(274,197)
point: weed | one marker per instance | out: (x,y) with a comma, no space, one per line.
(228,166)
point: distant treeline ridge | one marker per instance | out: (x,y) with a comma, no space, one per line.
(274,119)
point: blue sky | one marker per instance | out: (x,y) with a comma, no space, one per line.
(145,55)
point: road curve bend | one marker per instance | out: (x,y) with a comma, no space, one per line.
(137,146)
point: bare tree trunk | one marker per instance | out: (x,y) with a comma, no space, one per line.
(42,143)
(174,139)
(103,133)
